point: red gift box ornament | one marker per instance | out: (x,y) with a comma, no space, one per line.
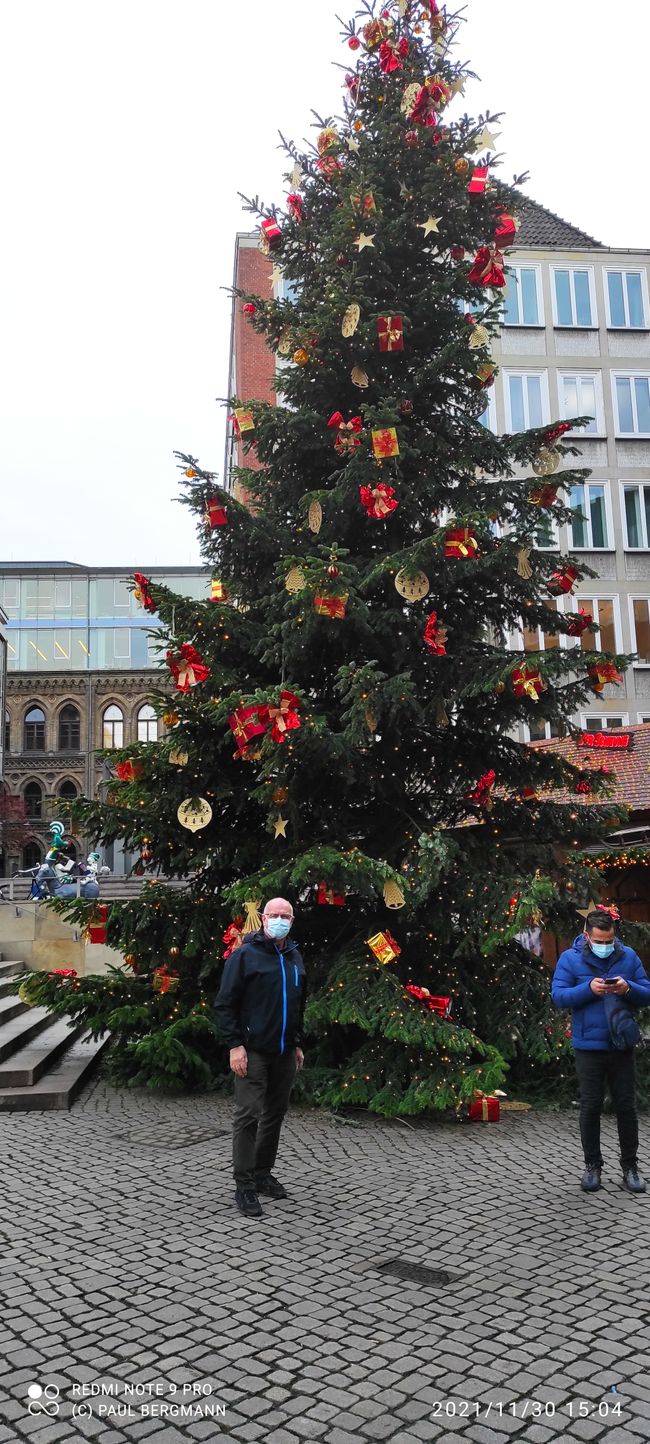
(505,230)
(327,897)
(600,673)
(233,936)
(579,623)
(331,606)
(95,930)
(270,235)
(242,420)
(435,636)
(347,432)
(527,682)
(187,667)
(482,793)
(384,442)
(562,581)
(164,981)
(284,717)
(142,593)
(390,332)
(384,947)
(484,1110)
(295,205)
(245,724)
(435,1004)
(487,268)
(545,495)
(461,542)
(391,55)
(129,771)
(215,514)
(379,501)
(478,180)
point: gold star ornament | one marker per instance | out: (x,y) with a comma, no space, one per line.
(431,224)
(487,139)
(281,827)
(362,241)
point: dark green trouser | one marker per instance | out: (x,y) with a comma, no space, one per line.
(261,1101)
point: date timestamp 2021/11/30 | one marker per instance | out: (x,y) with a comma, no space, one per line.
(526,1408)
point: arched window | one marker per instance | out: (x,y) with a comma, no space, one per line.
(69,729)
(147,724)
(68,790)
(32,855)
(33,795)
(35,730)
(113,727)
(7,732)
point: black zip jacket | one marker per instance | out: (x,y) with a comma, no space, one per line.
(261,1001)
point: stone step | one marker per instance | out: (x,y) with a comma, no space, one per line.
(11,970)
(11,1007)
(60,1085)
(19,1030)
(27,1064)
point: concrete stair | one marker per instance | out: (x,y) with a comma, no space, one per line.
(44,1059)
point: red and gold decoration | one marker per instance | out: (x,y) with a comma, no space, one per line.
(242,420)
(544,496)
(379,501)
(142,593)
(562,581)
(164,980)
(373,33)
(505,230)
(384,947)
(601,674)
(486,373)
(95,929)
(412,586)
(580,622)
(218,592)
(233,936)
(423,111)
(385,443)
(364,202)
(328,138)
(283,718)
(327,897)
(435,636)
(331,606)
(246,724)
(194,813)
(434,1002)
(487,268)
(187,667)
(270,235)
(215,514)
(348,433)
(478,181)
(392,54)
(482,794)
(390,333)
(461,541)
(527,681)
(484,1109)
(295,206)
(129,771)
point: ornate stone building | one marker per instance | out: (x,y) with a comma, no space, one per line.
(81,668)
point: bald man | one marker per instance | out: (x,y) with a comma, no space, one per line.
(260,1010)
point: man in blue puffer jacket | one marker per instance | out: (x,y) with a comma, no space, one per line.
(588,977)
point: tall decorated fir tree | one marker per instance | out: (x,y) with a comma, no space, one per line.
(344,724)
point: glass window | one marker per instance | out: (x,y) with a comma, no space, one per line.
(11,596)
(641,628)
(68,790)
(540,731)
(121,644)
(69,729)
(526,399)
(579,396)
(33,795)
(573,301)
(625,295)
(147,724)
(522,307)
(46,597)
(79,597)
(32,855)
(35,730)
(589,529)
(29,597)
(121,595)
(536,639)
(633,405)
(603,611)
(488,418)
(601,724)
(637,516)
(62,594)
(7,732)
(113,727)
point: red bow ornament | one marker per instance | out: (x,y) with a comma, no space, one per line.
(487,268)
(327,897)
(347,432)
(482,793)
(233,936)
(609,908)
(435,636)
(555,431)
(379,501)
(284,718)
(435,1004)
(391,55)
(423,109)
(544,495)
(579,623)
(562,581)
(527,682)
(600,673)
(187,667)
(294,206)
(142,593)
(129,771)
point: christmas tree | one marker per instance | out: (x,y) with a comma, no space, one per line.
(344,723)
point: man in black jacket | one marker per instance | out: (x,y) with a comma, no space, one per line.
(260,1009)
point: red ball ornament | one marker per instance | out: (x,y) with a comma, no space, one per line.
(458,254)
(406,407)
(354,42)
(249,309)
(332,571)
(342,260)
(411,138)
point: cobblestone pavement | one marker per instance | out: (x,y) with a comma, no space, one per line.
(125,1266)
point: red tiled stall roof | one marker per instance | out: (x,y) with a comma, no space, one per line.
(630,766)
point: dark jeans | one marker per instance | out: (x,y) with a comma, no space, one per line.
(261,1101)
(596,1067)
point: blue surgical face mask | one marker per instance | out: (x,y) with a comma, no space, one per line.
(277,927)
(602,950)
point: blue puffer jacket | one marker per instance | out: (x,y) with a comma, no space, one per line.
(571,988)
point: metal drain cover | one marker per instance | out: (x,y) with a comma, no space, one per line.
(414,1273)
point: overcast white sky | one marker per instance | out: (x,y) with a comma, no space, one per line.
(127,132)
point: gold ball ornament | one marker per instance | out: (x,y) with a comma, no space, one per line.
(546,461)
(171,719)
(295,580)
(461,165)
(412,586)
(194,813)
(301,357)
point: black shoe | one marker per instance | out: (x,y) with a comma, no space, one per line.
(590,1180)
(248,1203)
(271,1187)
(634,1181)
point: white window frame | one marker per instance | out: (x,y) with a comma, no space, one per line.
(122,603)
(574,325)
(8,604)
(625,271)
(527,371)
(537,271)
(548,737)
(629,485)
(627,376)
(609,522)
(576,602)
(581,376)
(121,632)
(643,597)
(59,584)
(603,722)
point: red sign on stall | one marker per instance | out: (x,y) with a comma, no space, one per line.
(607,741)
